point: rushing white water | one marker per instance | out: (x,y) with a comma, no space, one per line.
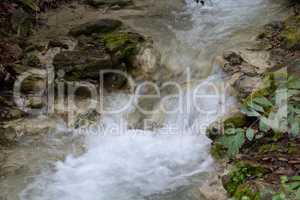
(133,164)
(127,164)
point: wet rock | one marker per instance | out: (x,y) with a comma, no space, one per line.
(80,64)
(121,3)
(86,120)
(99,26)
(212,189)
(35,102)
(247,84)
(112,51)
(245,69)
(13,131)
(275,26)
(34,84)
(57,43)
(123,46)
(8,111)
(233,58)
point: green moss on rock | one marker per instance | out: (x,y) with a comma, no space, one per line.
(237,120)
(124,42)
(239,175)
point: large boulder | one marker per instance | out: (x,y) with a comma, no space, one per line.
(99,26)
(121,3)
(116,50)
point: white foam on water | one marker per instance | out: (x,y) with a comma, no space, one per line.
(131,164)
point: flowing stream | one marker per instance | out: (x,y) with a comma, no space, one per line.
(166,161)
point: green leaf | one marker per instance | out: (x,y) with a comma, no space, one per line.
(263,101)
(263,126)
(256,107)
(293,186)
(295,178)
(250,113)
(31,4)
(233,143)
(250,134)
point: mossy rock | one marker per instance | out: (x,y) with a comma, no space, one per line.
(240,174)
(124,43)
(8,111)
(81,64)
(291,34)
(237,120)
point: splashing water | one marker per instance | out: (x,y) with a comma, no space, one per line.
(131,164)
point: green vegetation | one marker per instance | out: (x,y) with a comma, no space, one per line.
(236,184)
(275,112)
(290,189)
(273,116)
(31,4)
(124,42)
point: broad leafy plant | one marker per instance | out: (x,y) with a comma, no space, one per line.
(274,108)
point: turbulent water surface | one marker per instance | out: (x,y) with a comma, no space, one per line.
(131,164)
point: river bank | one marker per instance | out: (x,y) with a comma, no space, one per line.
(256,146)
